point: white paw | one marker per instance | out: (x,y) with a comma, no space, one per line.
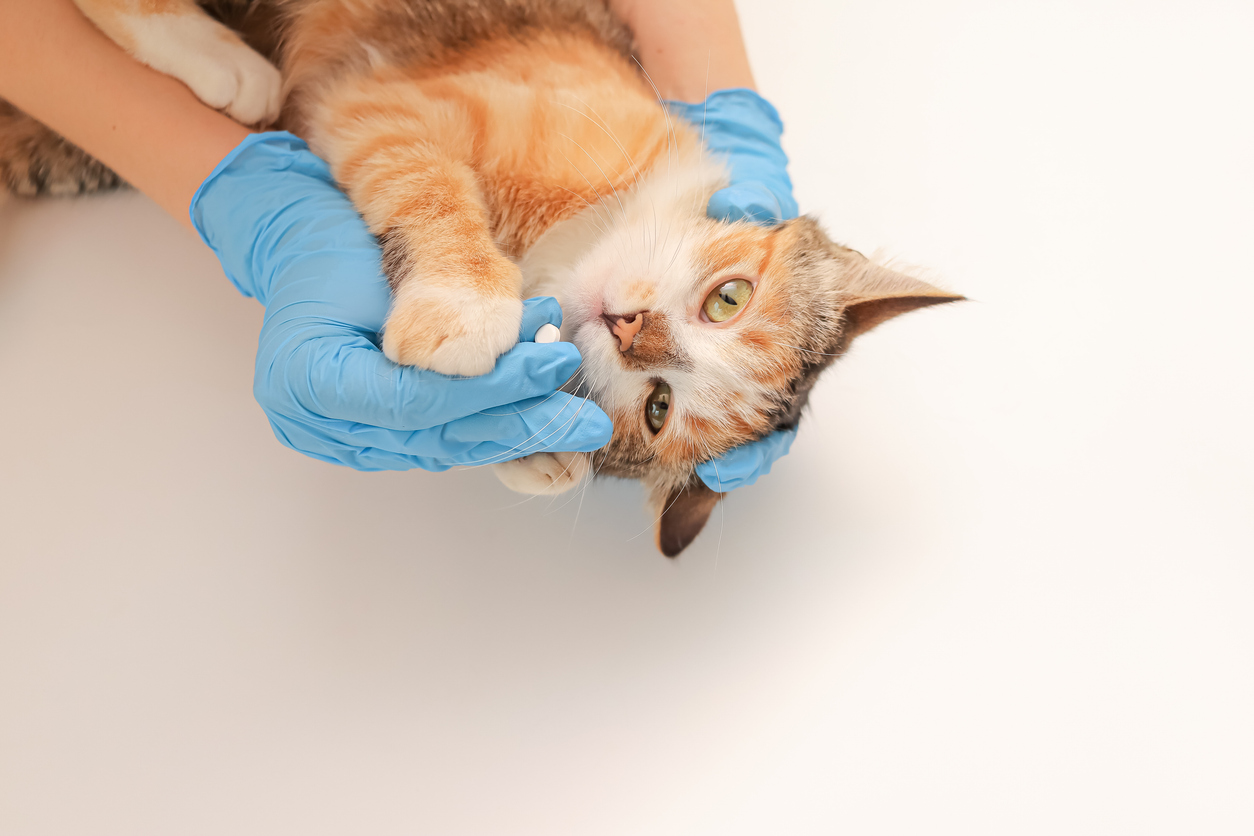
(221,69)
(453,331)
(544,473)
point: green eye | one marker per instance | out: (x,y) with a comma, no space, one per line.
(726,300)
(658,406)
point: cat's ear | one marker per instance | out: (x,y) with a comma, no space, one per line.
(682,514)
(878,294)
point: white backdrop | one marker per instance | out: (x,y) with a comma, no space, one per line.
(1002,585)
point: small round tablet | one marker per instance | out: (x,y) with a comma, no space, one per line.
(548,333)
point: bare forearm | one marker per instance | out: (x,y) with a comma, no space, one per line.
(689,48)
(149,128)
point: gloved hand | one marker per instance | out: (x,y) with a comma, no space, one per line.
(745,129)
(287,236)
(743,465)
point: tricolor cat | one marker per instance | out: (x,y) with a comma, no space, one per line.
(509,149)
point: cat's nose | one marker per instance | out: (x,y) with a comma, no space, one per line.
(625,327)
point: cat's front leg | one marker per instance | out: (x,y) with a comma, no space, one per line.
(453,313)
(544,473)
(457,300)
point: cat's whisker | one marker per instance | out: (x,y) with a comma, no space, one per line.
(608,179)
(565,426)
(658,518)
(722,516)
(604,126)
(595,191)
(521,502)
(679,246)
(547,398)
(578,510)
(602,223)
(810,351)
(585,483)
(671,141)
(553,497)
(525,443)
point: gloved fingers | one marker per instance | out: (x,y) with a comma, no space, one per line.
(344,376)
(744,129)
(746,201)
(329,446)
(324,446)
(556,422)
(742,465)
(538,311)
(265,202)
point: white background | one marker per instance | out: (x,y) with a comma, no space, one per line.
(1002,585)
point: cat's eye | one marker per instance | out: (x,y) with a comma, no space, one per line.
(726,300)
(658,406)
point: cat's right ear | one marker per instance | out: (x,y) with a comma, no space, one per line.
(878,294)
(870,294)
(683,513)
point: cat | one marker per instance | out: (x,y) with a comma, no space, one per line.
(513,148)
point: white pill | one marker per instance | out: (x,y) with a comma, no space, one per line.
(548,333)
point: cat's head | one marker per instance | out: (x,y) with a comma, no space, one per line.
(698,335)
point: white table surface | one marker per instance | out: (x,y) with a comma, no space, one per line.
(1003,584)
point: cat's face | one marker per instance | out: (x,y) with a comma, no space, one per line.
(698,336)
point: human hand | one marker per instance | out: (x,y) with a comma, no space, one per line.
(745,129)
(287,236)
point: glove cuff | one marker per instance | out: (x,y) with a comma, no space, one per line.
(736,104)
(745,129)
(240,195)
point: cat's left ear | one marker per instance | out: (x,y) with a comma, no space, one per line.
(682,514)
(879,294)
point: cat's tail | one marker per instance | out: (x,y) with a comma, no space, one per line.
(35,161)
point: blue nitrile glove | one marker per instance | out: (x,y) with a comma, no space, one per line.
(744,129)
(743,465)
(287,236)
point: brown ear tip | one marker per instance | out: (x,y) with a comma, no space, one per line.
(684,514)
(666,541)
(672,546)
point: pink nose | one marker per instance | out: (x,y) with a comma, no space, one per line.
(625,329)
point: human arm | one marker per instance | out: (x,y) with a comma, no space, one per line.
(146,126)
(688,48)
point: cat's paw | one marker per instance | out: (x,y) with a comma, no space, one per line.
(223,71)
(451,330)
(544,473)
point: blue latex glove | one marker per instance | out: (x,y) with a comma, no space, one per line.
(743,465)
(287,236)
(745,129)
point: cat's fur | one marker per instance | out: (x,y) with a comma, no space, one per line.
(502,149)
